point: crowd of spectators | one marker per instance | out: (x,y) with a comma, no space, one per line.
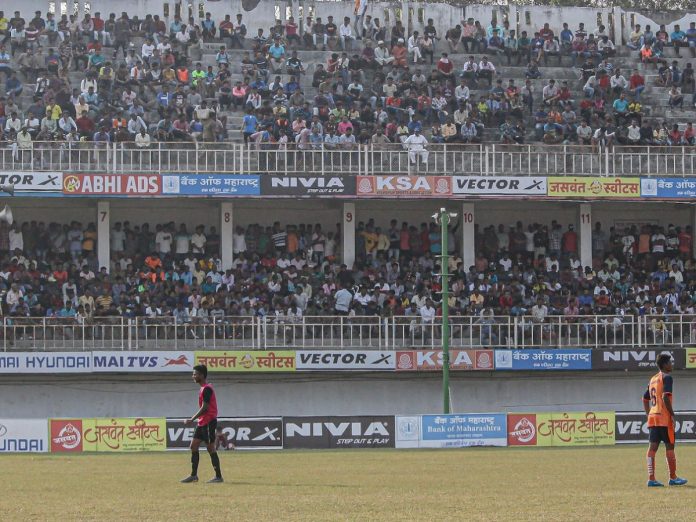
(281,271)
(380,85)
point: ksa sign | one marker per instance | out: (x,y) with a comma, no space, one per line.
(424,360)
(402,186)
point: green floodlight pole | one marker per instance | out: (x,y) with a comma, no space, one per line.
(444,271)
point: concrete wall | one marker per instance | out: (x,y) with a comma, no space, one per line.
(344,394)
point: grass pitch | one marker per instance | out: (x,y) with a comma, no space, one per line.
(353,485)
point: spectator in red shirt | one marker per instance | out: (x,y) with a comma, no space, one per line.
(445,67)
(636,84)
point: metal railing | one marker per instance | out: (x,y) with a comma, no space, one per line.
(439,159)
(344,332)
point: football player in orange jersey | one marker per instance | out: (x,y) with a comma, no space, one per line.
(657,402)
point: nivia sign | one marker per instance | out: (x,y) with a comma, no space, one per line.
(338,432)
(307,185)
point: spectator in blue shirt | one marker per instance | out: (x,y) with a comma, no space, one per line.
(620,108)
(13,87)
(691,38)
(678,38)
(276,55)
(208,27)
(249,125)
(291,86)
(315,138)
(566,38)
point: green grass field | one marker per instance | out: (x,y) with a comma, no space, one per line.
(362,485)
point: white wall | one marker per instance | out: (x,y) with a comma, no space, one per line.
(344,394)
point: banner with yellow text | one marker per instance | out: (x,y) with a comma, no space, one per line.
(261,361)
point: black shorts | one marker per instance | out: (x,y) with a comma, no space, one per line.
(662,434)
(206,433)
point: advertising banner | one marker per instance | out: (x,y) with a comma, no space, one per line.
(593,188)
(553,359)
(424,360)
(294,186)
(345,360)
(137,362)
(111,184)
(473,429)
(240,433)
(33,181)
(373,431)
(575,429)
(257,361)
(23,436)
(66,435)
(210,185)
(499,186)
(408,434)
(635,359)
(668,188)
(140,434)
(522,429)
(404,186)
(690,358)
(45,362)
(632,427)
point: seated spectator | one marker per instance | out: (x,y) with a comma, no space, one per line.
(676,99)
(551,48)
(678,39)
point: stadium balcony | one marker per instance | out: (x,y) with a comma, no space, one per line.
(349,332)
(439,159)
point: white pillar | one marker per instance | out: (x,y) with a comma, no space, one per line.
(468,235)
(585,220)
(104,235)
(348,234)
(226,231)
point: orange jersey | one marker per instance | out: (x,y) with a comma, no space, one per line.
(660,385)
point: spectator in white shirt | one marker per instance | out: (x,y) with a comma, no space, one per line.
(198,240)
(345,32)
(16,238)
(415,144)
(618,82)
(486,70)
(239,241)
(142,140)
(414,48)
(383,55)
(462,92)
